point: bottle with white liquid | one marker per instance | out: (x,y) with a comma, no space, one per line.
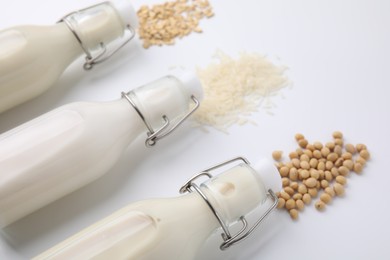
(176,228)
(32,58)
(69,147)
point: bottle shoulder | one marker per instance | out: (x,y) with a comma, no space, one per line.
(21,43)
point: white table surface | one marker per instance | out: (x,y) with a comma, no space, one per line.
(339,60)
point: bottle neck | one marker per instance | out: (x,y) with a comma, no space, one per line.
(194,221)
(69,44)
(182,224)
(124,120)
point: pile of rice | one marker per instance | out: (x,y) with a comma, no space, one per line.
(235,88)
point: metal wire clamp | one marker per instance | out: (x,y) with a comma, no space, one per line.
(244,232)
(102,55)
(154,135)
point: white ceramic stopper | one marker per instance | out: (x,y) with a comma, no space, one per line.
(126,12)
(190,81)
(269,174)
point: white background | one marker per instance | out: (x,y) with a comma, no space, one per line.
(338,55)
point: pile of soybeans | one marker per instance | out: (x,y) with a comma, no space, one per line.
(317,169)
